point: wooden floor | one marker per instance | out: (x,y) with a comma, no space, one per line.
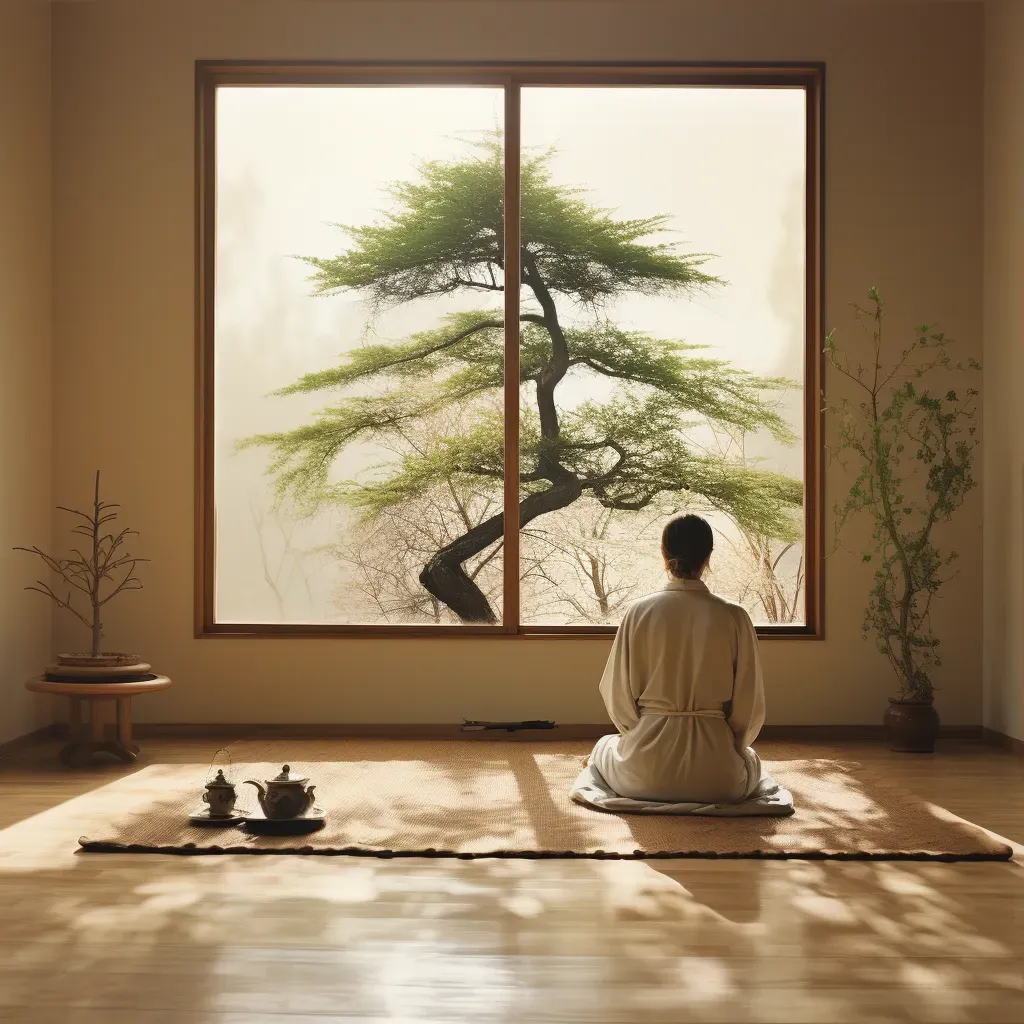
(146,939)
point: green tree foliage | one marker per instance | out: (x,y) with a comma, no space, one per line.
(443,235)
(913,451)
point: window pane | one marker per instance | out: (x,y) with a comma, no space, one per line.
(663,343)
(358,355)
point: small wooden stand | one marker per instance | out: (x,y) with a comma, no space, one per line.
(86,740)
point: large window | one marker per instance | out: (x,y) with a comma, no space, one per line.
(390,440)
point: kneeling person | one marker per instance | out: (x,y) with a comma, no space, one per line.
(683,687)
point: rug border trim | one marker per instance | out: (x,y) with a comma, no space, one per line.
(189,850)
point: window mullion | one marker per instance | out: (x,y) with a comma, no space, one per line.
(510,599)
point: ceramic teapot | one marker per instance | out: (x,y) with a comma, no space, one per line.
(285,795)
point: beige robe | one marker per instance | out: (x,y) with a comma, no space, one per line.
(683,686)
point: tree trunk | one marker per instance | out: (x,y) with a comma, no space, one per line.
(444,575)
(445,578)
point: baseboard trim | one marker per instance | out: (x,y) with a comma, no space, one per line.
(852,733)
(414,730)
(357,730)
(999,739)
(29,740)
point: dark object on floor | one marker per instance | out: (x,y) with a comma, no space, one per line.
(468,726)
(913,726)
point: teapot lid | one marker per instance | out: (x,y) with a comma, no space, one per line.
(286,776)
(219,782)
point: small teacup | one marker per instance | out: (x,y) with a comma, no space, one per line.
(220,797)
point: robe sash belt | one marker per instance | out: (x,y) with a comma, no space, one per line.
(671,713)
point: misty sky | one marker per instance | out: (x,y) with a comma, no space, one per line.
(726,164)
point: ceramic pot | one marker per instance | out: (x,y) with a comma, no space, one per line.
(912,726)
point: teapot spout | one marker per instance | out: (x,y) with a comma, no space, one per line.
(309,797)
(261,789)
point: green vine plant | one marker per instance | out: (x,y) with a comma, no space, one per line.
(913,452)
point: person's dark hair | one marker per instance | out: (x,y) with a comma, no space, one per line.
(686,544)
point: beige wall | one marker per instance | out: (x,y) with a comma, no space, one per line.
(1004,368)
(903,209)
(26,460)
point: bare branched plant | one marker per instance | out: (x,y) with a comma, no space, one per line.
(102,572)
(764,574)
(386,549)
(283,561)
(583,566)
(386,554)
(765,569)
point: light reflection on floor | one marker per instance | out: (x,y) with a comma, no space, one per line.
(155,939)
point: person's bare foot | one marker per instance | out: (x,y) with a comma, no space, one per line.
(586,761)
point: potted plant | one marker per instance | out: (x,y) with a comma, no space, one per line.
(99,569)
(912,450)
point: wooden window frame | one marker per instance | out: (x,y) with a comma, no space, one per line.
(511,77)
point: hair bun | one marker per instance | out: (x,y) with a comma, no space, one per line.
(686,544)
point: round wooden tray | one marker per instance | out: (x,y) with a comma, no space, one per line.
(98,687)
(98,673)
